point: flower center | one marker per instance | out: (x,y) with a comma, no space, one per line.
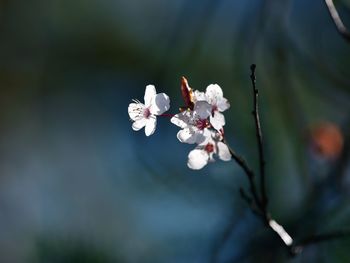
(202,124)
(209,148)
(146,113)
(214,109)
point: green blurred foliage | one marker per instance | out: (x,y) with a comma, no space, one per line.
(69,251)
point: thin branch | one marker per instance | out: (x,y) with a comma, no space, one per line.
(325,237)
(315,239)
(343,31)
(259,207)
(259,137)
(252,204)
(250,174)
(245,196)
(272,224)
(255,203)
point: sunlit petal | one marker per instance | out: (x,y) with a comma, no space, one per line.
(202,109)
(135,111)
(223,152)
(213,93)
(150,92)
(223,104)
(181,120)
(139,124)
(199,96)
(217,120)
(197,159)
(160,104)
(151,124)
(187,135)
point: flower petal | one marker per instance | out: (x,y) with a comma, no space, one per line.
(199,96)
(200,137)
(160,104)
(217,120)
(139,124)
(223,104)
(181,120)
(135,111)
(202,109)
(223,152)
(197,159)
(150,93)
(204,137)
(151,124)
(187,135)
(213,93)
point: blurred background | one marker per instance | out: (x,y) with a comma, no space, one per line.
(77,184)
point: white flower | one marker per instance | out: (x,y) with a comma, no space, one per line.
(144,115)
(204,152)
(214,96)
(194,123)
(199,96)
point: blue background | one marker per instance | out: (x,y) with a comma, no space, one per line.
(77,184)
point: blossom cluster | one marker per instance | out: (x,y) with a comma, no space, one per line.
(200,120)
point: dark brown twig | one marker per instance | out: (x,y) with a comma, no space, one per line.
(343,31)
(258,206)
(255,203)
(250,174)
(324,237)
(259,138)
(315,239)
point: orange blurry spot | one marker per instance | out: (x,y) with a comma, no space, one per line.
(327,140)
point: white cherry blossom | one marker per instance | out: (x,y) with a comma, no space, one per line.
(204,152)
(144,115)
(194,123)
(214,96)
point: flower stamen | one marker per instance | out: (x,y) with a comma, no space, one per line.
(201,124)
(209,148)
(146,113)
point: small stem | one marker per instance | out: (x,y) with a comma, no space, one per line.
(249,172)
(166,115)
(255,203)
(343,31)
(324,237)
(250,202)
(259,137)
(258,206)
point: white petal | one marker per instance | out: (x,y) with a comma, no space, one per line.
(150,93)
(197,159)
(223,152)
(199,96)
(160,104)
(217,121)
(182,119)
(187,135)
(200,137)
(206,136)
(202,109)
(151,124)
(223,104)
(135,111)
(139,124)
(213,93)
